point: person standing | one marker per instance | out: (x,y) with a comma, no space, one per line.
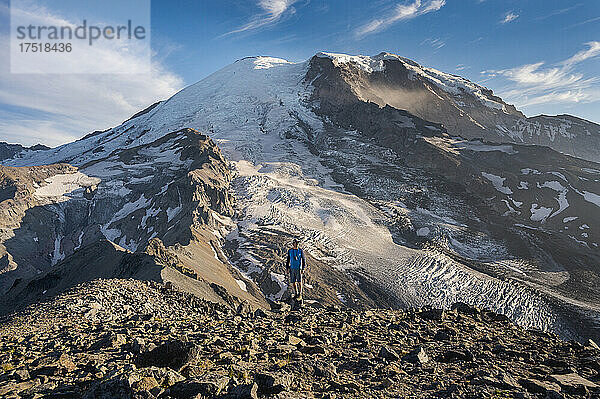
(296,263)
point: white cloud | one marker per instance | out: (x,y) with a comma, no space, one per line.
(401,12)
(272,12)
(534,84)
(587,21)
(591,52)
(542,78)
(436,43)
(56,108)
(559,12)
(570,96)
(509,17)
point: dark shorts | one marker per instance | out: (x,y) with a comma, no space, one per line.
(295,276)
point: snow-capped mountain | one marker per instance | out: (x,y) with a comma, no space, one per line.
(371,161)
(465,108)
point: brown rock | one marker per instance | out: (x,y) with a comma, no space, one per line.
(145,384)
(67,363)
(536,386)
(572,380)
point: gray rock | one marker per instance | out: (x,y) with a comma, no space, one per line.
(432,314)
(21,374)
(572,381)
(455,355)
(270,384)
(388,354)
(174,354)
(417,355)
(207,386)
(244,391)
(463,308)
(537,386)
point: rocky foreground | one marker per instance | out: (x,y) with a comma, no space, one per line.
(128,338)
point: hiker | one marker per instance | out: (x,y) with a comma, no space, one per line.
(296,262)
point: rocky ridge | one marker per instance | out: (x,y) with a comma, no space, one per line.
(10,150)
(465,108)
(132,339)
(169,198)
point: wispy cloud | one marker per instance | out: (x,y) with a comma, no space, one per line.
(401,12)
(272,12)
(585,22)
(54,110)
(436,43)
(538,84)
(592,51)
(509,17)
(559,12)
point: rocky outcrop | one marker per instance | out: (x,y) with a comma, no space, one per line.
(464,108)
(10,150)
(146,212)
(133,339)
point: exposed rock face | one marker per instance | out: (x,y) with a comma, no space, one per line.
(132,339)
(463,107)
(17,188)
(520,199)
(162,196)
(10,150)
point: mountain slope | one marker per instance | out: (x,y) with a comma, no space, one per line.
(400,211)
(464,108)
(172,192)
(8,151)
(129,339)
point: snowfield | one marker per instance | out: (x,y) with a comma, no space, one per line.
(60,185)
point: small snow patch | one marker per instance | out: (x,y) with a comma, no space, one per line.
(592,198)
(539,213)
(59,185)
(242,285)
(367,64)
(498,183)
(423,232)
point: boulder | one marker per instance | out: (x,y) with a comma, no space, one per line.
(537,386)
(243,391)
(270,384)
(205,386)
(432,314)
(417,355)
(388,354)
(174,354)
(455,355)
(463,308)
(573,382)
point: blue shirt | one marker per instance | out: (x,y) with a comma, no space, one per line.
(295,259)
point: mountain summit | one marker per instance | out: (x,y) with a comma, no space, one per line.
(407,187)
(465,108)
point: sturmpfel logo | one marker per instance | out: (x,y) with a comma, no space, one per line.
(95,37)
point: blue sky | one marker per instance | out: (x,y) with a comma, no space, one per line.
(542,55)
